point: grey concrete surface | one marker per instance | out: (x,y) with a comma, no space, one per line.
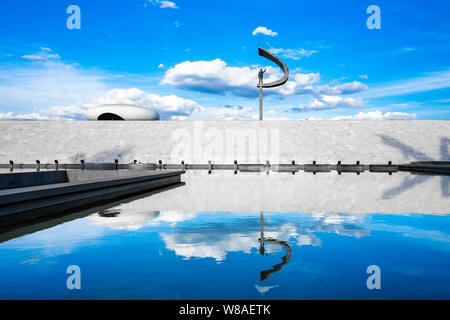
(30,202)
(29,179)
(370,142)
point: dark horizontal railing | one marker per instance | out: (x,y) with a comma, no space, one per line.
(314,167)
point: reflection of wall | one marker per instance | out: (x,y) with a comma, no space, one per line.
(308,193)
(303,141)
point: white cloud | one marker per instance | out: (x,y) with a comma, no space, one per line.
(348,88)
(428,82)
(168,4)
(363,76)
(265,31)
(234,113)
(327,102)
(43,55)
(161,66)
(217,77)
(294,54)
(164,4)
(213,77)
(53,89)
(169,107)
(48,83)
(378,115)
(178,118)
(29,116)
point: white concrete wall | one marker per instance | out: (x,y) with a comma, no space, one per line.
(224,141)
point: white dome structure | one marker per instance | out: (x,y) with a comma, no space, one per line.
(121,112)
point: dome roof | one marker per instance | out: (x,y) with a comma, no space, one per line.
(121,112)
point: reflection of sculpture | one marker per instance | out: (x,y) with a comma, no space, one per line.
(285,260)
(266,54)
(410,152)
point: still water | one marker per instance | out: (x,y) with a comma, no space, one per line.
(282,237)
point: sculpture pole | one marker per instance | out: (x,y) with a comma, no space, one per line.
(260,104)
(261,76)
(266,54)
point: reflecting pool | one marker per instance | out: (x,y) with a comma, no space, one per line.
(250,236)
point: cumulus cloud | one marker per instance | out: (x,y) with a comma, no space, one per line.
(169,107)
(213,77)
(378,115)
(265,31)
(217,77)
(234,113)
(164,4)
(29,116)
(327,102)
(294,54)
(54,89)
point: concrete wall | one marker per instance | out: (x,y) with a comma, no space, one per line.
(224,141)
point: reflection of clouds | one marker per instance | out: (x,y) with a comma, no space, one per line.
(198,246)
(337,218)
(264,289)
(132,218)
(192,236)
(412,232)
(308,240)
(123,221)
(341,224)
(58,240)
(216,241)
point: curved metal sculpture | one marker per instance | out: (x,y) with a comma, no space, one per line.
(266,54)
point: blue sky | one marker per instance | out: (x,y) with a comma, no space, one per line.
(199,60)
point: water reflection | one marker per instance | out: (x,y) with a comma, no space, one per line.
(109,213)
(410,152)
(153,249)
(225,254)
(285,260)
